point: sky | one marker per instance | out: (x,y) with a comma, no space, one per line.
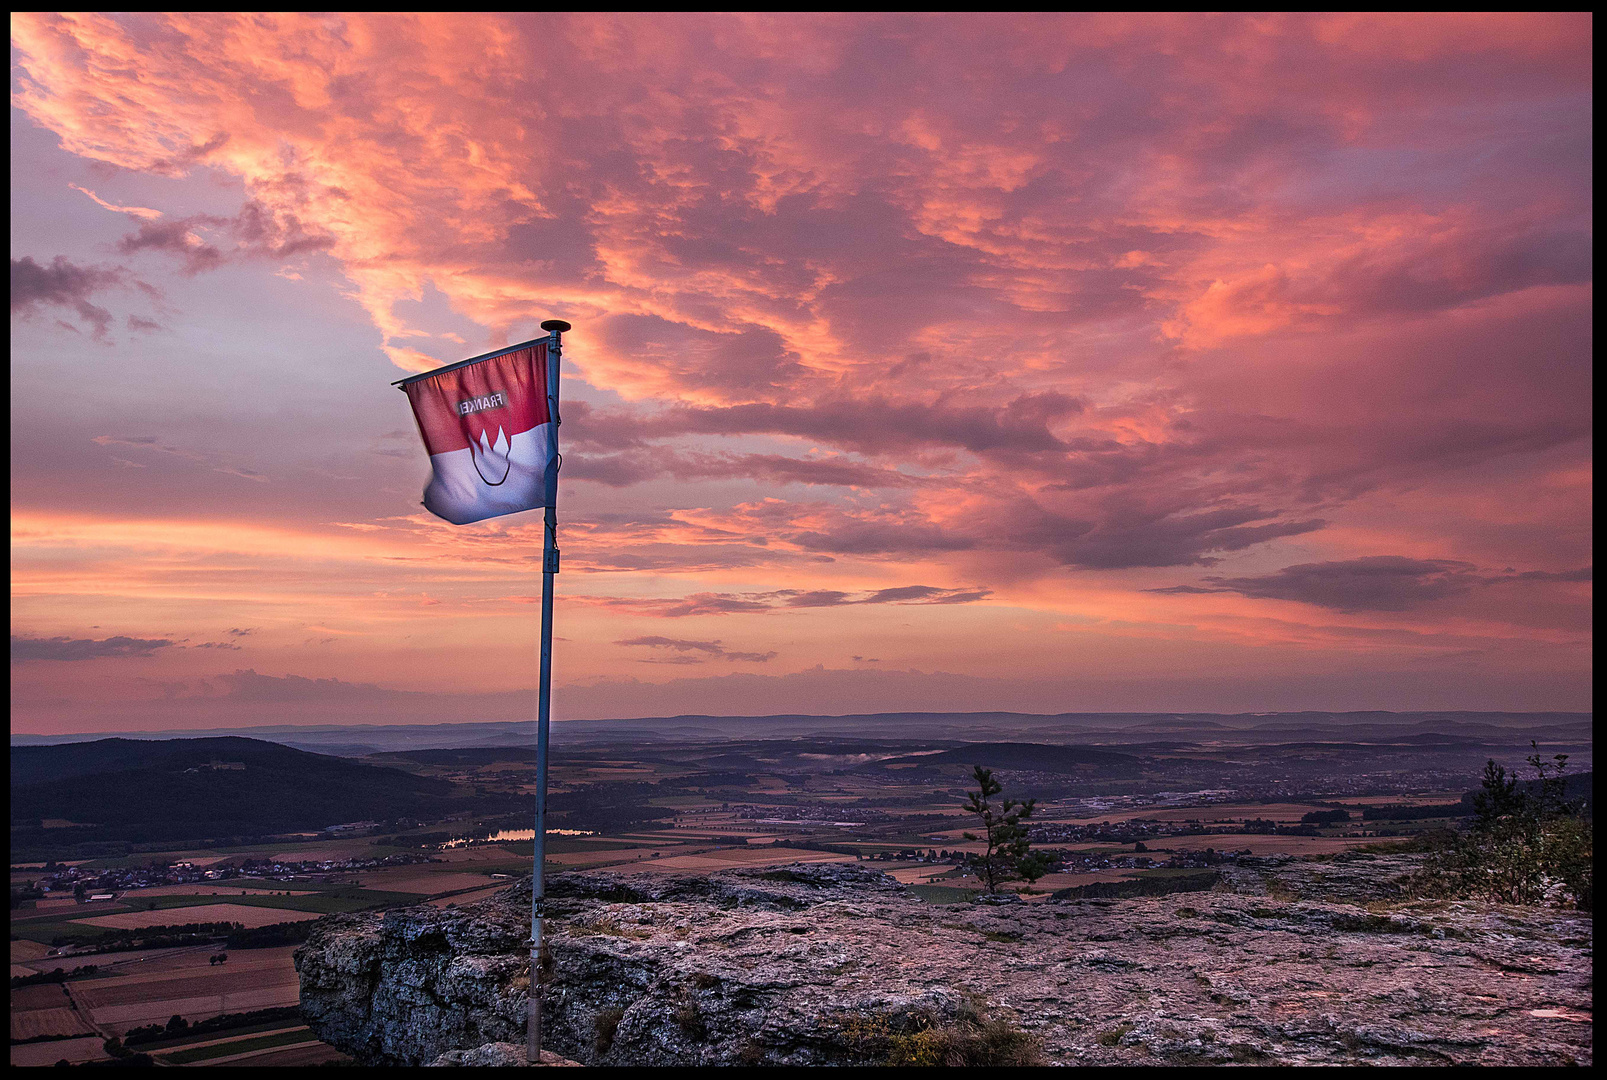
(1048,364)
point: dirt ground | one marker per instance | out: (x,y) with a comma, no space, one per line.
(318,1054)
(55,906)
(915,875)
(726,858)
(216,890)
(252,979)
(590,858)
(249,917)
(425,884)
(57,903)
(197,960)
(44,1010)
(470,897)
(120,1018)
(48,1053)
(57,1021)
(28,950)
(48,996)
(477,855)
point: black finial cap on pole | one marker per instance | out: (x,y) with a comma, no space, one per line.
(558,325)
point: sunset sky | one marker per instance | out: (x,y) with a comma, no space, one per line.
(919,362)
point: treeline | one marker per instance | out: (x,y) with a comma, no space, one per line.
(232,934)
(1417,813)
(60,975)
(178,1026)
(273,936)
(710,779)
(151,937)
(813,845)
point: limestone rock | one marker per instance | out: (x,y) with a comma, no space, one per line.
(497,1054)
(837,964)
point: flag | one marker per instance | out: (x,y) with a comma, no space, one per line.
(486,424)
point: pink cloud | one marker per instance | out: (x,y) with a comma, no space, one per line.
(1076,301)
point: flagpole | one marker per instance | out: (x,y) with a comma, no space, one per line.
(549,567)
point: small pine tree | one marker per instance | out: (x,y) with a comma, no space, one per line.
(1004,833)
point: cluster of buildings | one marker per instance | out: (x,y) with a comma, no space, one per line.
(809,814)
(106,884)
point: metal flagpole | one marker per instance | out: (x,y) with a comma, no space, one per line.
(549,567)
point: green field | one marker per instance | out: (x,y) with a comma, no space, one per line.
(182,1041)
(145,858)
(241,1046)
(45,929)
(943,894)
(326,902)
(565,844)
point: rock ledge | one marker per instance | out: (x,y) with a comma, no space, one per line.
(835,964)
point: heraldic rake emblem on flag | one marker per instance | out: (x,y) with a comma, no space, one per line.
(488,426)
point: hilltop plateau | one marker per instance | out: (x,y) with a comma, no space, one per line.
(1284,961)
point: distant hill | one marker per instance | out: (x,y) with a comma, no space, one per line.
(1034,756)
(1078,729)
(199,789)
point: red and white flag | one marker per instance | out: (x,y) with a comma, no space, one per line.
(489,432)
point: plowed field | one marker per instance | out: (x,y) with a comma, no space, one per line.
(249,917)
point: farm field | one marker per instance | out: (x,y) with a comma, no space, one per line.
(477,855)
(1261,844)
(727,858)
(45,1010)
(249,916)
(468,897)
(1282,813)
(72,1051)
(577,859)
(410,880)
(233,888)
(190,987)
(684,808)
(28,950)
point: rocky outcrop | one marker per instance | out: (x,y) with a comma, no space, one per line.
(500,1055)
(835,964)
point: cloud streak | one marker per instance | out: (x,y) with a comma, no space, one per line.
(73,649)
(1374,583)
(693,652)
(780,599)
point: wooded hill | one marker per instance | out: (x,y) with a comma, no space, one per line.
(203,789)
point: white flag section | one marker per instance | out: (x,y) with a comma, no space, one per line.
(490,436)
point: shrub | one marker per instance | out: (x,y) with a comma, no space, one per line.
(972,1038)
(1526,843)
